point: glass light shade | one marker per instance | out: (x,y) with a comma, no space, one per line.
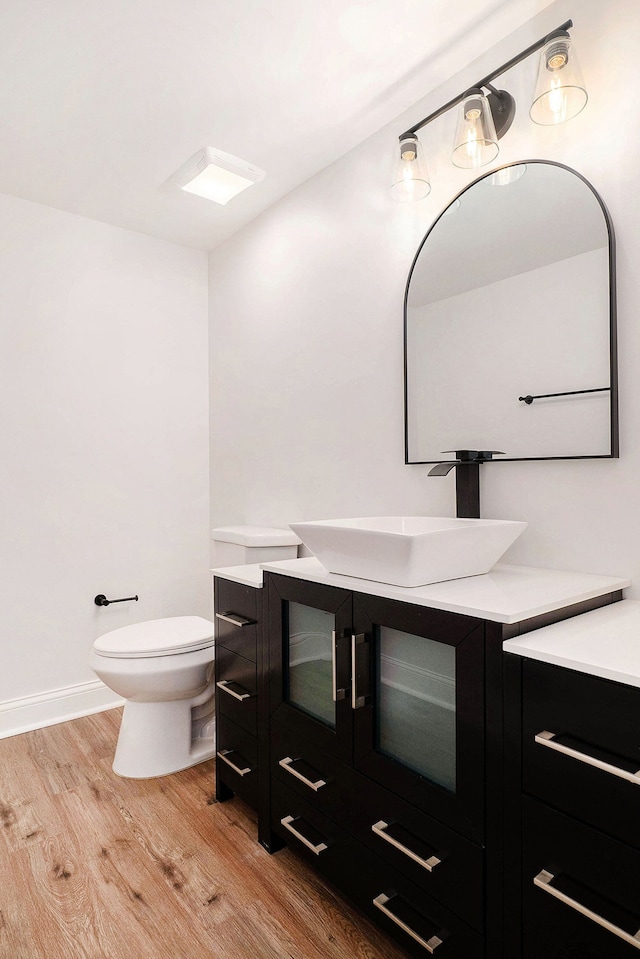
(560,92)
(476,143)
(411,177)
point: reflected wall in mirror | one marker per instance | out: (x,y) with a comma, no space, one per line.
(512,296)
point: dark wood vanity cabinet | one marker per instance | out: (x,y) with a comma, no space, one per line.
(397,748)
(377,757)
(576,804)
(238,666)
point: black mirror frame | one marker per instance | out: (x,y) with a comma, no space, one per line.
(613,338)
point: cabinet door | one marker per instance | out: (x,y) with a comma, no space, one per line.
(418,705)
(310,643)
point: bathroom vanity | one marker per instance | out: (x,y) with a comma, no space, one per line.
(239,660)
(573,721)
(381,751)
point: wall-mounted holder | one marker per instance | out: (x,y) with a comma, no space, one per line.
(467,467)
(101,600)
(546,396)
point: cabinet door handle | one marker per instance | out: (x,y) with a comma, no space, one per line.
(286,822)
(429,864)
(358,642)
(225,686)
(224,754)
(546,738)
(544,879)
(286,764)
(337,694)
(380,902)
(235,619)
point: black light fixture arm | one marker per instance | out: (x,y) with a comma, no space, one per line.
(486,81)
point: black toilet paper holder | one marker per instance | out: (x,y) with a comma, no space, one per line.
(101,600)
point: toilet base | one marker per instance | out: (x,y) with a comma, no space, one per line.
(157,739)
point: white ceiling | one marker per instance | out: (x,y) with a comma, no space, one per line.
(100,102)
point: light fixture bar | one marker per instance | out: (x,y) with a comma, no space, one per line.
(486,80)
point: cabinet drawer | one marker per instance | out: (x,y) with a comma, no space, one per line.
(581,747)
(420,924)
(308,770)
(236,615)
(387,896)
(439,860)
(433,857)
(314,835)
(580,889)
(237,759)
(236,688)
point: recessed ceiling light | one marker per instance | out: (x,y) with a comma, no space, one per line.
(216,175)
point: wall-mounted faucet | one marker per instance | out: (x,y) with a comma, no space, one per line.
(467,466)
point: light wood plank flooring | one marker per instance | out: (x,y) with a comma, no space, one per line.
(93,866)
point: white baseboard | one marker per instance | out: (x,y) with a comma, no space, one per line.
(55,706)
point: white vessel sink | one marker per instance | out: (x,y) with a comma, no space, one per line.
(408,550)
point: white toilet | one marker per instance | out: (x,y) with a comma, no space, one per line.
(164,670)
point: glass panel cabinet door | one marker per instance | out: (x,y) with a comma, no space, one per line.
(309,639)
(420,729)
(310,643)
(416,704)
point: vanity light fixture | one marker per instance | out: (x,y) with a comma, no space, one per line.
(485,117)
(216,175)
(476,140)
(411,180)
(560,91)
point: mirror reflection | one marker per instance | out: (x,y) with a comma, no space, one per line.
(509,322)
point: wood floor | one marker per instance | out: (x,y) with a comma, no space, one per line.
(93,866)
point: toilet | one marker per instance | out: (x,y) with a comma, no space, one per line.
(163,668)
(239,545)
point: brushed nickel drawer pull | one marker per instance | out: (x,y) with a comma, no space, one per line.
(225,686)
(380,902)
(224,754)
(235,619)
(543,881)
(286,764)
(546,738)
(429,864)
(286,822)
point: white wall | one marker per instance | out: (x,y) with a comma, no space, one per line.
(104,440)
(306,327)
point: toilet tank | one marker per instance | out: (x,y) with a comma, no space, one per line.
(238,545)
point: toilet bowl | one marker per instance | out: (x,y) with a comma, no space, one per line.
(164,670)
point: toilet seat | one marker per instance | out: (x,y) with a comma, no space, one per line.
(157,637)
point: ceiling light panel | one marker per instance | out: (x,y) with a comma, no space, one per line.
(216,175)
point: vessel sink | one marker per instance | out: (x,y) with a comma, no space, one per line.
(408,550)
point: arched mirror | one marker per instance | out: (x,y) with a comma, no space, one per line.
(510,322)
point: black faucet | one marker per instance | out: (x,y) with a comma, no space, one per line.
(467,478)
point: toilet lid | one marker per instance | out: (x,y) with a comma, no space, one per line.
(158,637)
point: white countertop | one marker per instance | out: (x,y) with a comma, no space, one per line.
(248,575)
(507,594)
(604,642)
